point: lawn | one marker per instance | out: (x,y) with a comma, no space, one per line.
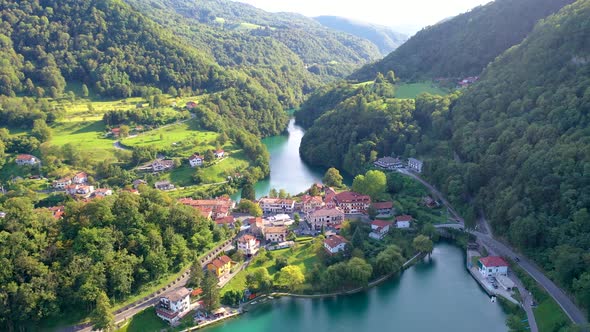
(88,135)
(412,90)
(303,256)
(183,139)
(145,321)
(236,161)
(550,316)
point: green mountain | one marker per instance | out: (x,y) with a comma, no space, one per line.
(384,37)
(323,51)
(514,145)
(464,45)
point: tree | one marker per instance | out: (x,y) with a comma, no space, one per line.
(232,297)
(210,296)
(290,277)
(332,178)
(296,218)
(423,244)
(196,275)
(373,183)
(250,207)
(515,324)
(281,262)
(124,131)
(259,280)
(210,156)
(581,287)
(389,260)
(248,191)
(283,193)
(41,130)
(358,238)
(372,211)
(102,318)
(273,193)
(85,92)
(359,271)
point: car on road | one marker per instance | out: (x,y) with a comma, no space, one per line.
(516,259)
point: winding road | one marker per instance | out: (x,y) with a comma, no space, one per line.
(152,299)
(565,302)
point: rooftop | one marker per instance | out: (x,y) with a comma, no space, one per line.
(350,196)
(404,217)
(383,205)
(178,294)
(334,241)
(493,261)
(381,223)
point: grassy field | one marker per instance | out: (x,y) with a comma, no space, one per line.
(145,321)
(411,90)
(302,256)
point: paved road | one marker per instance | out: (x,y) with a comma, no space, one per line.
(150,300)
(527,300)
(568,306)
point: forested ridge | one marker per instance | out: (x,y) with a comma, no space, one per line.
(515,145)
(384,37)
(323,51)
(463,45)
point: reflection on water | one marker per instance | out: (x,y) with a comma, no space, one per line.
(437,294)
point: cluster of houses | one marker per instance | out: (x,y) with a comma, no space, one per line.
(467,81)
(197,160)
(391,164)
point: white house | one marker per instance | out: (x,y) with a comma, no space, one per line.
(164,185)
(219,154)
(325,217)
(276,205)
(492,266)
(102,192)
(388,163)
(196,160)
(62,183)
(415,165)
(403,221)
(335,244)
(26,159)
(80,178)
(379,228)
(174,306)
(79,190)
(248,244)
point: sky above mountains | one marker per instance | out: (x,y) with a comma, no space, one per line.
(407,16)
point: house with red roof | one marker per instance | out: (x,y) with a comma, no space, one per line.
(326,217)
(62,183)
(403,221)
(335,244)
(26,159)
(57,211)
(379,228)
(352,203)
(174,305)
(220,266)
(492,266)
(219,153)
(219,207)
(310,203)
(80,178)
(227,220)
(248,244)
(384,209)
(191,105)
(196,160)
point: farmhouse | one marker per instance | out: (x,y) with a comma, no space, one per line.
(138,182)
(352,203)
(326,217)
(492,266)
(335,244)
(276,205)
(384,209)
(162,165)
(219,154)
(27,159)
(79,190)
(403,221)
(191,105)
(164,185)
(80,178)
(62,183)
(196,160)
(102,192)
(57,211)
(174,306)
(379,228)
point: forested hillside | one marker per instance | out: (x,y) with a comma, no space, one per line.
(515,145)
(325,52)
(465,44)
(384,37)
(45,44)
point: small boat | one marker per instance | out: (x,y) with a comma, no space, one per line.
(493,299)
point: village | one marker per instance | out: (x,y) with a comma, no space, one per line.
(321,211)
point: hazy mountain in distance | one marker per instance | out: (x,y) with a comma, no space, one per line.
(384,37)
